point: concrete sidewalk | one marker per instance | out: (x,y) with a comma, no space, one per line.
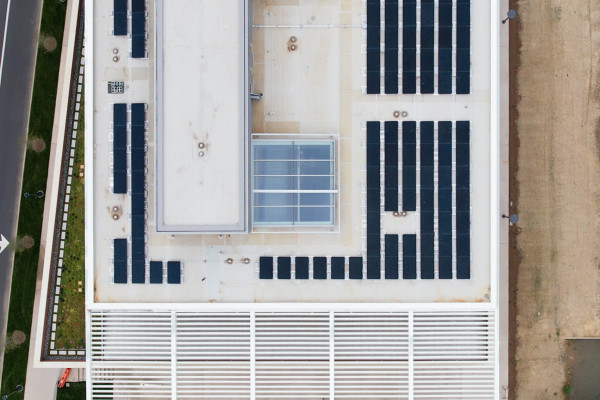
(42,377)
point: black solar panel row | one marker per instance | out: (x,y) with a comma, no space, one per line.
(138,183)
(445,199)
(409,46)
(120,17)
(427,200)
(373,46)
(463,224)
(391,46)
(445,47)
(427,43)
(391,166)
(373,200)
(463,46)
(409,256)
(284,267)
(120,260)
(138,28)
(174,272)
(391,256)
(120,148)
(409,166)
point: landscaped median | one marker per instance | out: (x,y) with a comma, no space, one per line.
(32,208)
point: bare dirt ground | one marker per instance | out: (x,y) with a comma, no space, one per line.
(555,166)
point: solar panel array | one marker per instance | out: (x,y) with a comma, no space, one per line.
(419,44)
(120,148)
(120,17)
(436,243)
(138,199)
(138,28)
(322,267)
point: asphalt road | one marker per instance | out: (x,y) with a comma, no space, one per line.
(16,81)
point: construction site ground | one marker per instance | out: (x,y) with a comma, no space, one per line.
(555,189)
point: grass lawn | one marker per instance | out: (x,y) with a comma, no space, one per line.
(75,391)
(70,324)
(31,212)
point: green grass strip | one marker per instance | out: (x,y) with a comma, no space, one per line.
(32,209)
(75,391)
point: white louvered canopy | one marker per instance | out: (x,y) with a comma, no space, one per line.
(294,355)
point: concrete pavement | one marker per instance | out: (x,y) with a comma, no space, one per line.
(18,42)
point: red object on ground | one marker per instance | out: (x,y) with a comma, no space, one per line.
(63,377)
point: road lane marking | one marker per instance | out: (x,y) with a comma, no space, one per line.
(3,243)
(4,40)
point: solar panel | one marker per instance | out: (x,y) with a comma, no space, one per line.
(463,267)
(462,131)
(156,271)
(391,46)
(137,205)
(427,222)
(120,181)
(373,43)
(391,166)
(319,268)
(138,139)
(427,267)
(138,271)
(427,198)
(444,199)
(138,45)
(445,222)
(138,5)
(137,184)
(137,160)
(301,267)
(138,251)
(120,18)
(174,272)
(409,256)
(338,268)
(426,178)
(391,256)
(265,265)
(427,43)
(409,46)
(463,202)
(284,268)
(462,177)
(373,267)
(445,267)
(444,177)
(137,227)
(355,267)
